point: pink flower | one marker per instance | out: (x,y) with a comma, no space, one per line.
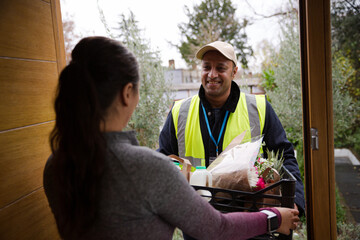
(260,184)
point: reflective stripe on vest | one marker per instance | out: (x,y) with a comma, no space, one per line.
(193,149)
(249,115)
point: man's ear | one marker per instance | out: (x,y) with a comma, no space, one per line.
(234,71)
(127,93)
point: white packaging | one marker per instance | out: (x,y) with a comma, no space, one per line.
(201,177)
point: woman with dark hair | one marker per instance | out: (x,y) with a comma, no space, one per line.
(101,184)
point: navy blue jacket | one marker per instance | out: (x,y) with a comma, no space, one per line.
(274,136)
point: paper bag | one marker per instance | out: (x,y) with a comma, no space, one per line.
(186,169)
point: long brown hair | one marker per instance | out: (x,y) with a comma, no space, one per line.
(99,69)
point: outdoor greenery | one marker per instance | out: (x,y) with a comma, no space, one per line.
(155,91)
(340,209)
(282,82)
(348,231)
(177,235)
(210,21)
(301,232)
(346,108)
(345,21)
(71,36)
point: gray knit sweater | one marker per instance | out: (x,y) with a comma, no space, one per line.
(143,196)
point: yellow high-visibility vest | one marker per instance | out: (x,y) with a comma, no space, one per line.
(249,115)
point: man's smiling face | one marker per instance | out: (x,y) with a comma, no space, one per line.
(217,74)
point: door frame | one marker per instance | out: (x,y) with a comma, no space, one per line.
(315,48)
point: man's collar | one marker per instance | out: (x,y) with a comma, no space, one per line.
(230,103)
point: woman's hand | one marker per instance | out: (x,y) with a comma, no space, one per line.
(289,220)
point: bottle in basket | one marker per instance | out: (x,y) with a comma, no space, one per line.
(177,165)
(201,177)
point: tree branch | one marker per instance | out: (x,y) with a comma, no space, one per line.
(354,7)
(104,22)
(272,15)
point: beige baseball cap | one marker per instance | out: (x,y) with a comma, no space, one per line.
(224,48)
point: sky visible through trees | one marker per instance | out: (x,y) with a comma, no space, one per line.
(161,27)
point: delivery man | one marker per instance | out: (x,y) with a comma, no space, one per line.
(200,127)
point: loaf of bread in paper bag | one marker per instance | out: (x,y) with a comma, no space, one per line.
(237,180)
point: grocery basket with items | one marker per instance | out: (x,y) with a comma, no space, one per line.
(240,180)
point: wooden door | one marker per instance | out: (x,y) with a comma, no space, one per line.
(31,57)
